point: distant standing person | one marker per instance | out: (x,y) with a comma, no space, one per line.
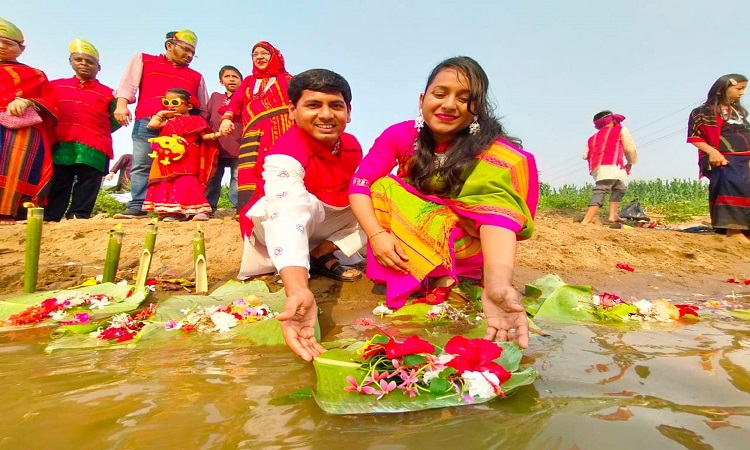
(123,166)
(720,130)
(262,101)
(150,76)
(28,110)
(229,146)
(610,153)
(84,132)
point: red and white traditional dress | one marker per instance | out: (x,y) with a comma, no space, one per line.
(177,183)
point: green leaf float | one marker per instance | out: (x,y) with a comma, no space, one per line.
(383,375)
(175,309)
(550,298)
(83,304)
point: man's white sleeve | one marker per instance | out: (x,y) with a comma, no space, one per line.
(288,212)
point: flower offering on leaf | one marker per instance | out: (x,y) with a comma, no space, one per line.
(123,327)
(465,369)
(59,308)
(221,318)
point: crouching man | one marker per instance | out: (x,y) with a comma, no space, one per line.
(301,219)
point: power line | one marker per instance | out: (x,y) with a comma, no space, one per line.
(662,138)
(681,122)
(692,105)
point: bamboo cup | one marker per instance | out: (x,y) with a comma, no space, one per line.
(35,218)
(199,257)
(146,255)
(112,259)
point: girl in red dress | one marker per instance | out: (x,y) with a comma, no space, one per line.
(185,155)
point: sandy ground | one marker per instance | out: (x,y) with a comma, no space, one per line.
(667,262)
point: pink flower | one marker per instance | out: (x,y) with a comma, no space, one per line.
(376,377)
(353,385)
(386,387)
(409,377)
(81,317)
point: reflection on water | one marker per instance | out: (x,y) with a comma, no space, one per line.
(665,386)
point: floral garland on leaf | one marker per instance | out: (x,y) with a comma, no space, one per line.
(464,368)
(610,307)
(123,327)
(68,308)
(221,318)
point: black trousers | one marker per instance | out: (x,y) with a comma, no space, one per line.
(74,189)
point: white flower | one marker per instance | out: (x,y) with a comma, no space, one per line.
(120,321)
(224,321)
(480,384)
(644,307)
(431,375)
(382,310)
(76,300)
(597,300)
(660,312)
(210,310)
(186,310)
(438,310)
(58,315)
(99,303)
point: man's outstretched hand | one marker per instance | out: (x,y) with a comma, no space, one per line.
(298,324)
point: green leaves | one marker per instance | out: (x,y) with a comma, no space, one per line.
(549,298)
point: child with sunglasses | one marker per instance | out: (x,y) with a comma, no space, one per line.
(185,155)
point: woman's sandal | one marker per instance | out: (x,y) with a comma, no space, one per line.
(335,272)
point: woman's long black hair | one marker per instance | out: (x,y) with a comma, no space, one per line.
(465,148)
(717,95)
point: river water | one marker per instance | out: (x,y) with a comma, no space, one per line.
(669,386)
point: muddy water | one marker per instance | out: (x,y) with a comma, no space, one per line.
(661,387)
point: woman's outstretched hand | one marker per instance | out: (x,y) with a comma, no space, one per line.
(388,252)
(506,316)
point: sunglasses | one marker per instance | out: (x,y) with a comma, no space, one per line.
(172,102)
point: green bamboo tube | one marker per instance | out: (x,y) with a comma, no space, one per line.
(35,218)
(148,251)
(199,257)
(113,254)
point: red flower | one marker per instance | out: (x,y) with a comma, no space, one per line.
(436,296)
(625,267)
(411,346)
(607,300)
(687,309)
(476,355)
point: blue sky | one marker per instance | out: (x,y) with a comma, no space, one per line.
(552,64)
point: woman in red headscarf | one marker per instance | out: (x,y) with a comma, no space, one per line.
(263,101)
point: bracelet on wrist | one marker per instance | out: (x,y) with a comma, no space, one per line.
(376,233)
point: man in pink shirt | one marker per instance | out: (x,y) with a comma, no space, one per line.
(150,76)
